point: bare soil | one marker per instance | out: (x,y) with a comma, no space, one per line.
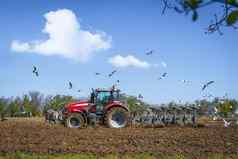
(34,136)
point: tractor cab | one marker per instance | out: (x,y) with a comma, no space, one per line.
(103,97)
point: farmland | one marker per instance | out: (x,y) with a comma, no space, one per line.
(35,137)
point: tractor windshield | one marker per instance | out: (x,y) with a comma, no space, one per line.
(106,96)
(103,97)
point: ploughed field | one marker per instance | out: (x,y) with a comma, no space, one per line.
(34,136)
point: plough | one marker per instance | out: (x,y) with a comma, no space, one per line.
(165,116)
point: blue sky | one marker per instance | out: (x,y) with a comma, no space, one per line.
(132,27)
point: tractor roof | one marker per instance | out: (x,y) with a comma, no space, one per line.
(106,90)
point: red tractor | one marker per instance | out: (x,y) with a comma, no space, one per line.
(103,107)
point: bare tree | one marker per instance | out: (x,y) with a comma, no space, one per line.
(36,100)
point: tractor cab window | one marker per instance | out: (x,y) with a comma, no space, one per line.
(115,95)
(103,97)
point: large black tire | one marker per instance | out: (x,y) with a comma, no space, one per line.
(75,120)
(117,117)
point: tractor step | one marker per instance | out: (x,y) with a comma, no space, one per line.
(95,118)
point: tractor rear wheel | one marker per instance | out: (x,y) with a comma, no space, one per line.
(75,120)
(117,117)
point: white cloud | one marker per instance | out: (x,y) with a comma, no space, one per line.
(65,38)
(164,64)
(128,61)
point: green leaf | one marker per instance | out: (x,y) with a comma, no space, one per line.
(195,15)
(232,17)
(193,4)
(232,2)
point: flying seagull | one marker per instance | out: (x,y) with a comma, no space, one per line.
(118,81)
(226,123)
(113,72)
(150,52)
(70,85)
(97,73)
(163,75)
(215,110)
(206,85)
(35,71)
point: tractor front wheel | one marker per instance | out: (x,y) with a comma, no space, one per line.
(117,117)
(75,120)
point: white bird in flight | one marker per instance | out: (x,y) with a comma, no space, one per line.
(215,110)
(226,123)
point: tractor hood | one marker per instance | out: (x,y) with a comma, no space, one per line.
(81,102)
(77,106)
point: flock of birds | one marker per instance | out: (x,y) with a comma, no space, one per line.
(140,96)
(164,75)
(226,123)
(35,72)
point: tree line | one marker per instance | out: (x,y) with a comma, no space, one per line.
(33,102)
(36,103)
